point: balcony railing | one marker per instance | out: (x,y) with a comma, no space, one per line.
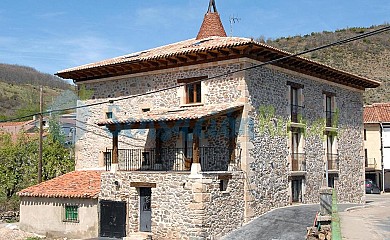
(296,113)
(172,159)
(370,163)
(333,161)
(298,161)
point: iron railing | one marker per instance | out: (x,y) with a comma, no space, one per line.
(298,161)
(296,113)
(172,159)
(333,161)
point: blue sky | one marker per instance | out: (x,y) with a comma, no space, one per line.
(51,35)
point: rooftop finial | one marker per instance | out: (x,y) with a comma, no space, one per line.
(212,5)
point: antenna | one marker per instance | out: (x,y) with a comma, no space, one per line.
(233,20)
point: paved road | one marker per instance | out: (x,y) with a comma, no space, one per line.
(287,223)
(371,222)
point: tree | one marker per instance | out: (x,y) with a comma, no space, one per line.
(57,158)
(17,166)
(19,161)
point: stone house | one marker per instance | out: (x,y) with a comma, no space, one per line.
(198,137)
(377,144)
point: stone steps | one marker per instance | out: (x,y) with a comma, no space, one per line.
(139,236)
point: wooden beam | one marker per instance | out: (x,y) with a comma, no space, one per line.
(143,184)
(115,147)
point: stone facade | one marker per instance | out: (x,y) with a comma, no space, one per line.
(268,166)
(182,207)
(93,140)
(196,208)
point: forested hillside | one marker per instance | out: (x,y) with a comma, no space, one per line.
(19,90)
(369,57)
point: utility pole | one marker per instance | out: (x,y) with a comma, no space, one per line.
(40,135)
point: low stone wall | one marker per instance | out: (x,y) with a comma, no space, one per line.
(182,207)
(9,216)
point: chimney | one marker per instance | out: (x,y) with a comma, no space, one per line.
(212,24)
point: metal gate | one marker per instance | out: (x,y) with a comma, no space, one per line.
(145,209)
(112,219)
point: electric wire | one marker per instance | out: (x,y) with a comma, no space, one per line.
(339,42)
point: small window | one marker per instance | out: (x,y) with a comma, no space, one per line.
(193,89)
(365,134)
(71,214)
(108,115)
(223,183)
(193,92)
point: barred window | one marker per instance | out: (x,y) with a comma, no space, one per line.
(71,214)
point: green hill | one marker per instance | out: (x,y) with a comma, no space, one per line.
(19,90)
(369,57)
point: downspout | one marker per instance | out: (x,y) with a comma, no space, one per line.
(383,165)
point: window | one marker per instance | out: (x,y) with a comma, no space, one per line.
(331,152)
(193,92)
(330,113)
(365,134)
(108,115)
(223,184)
(366,157)
(71,214)
(297,156)
(193,89)
(296,108)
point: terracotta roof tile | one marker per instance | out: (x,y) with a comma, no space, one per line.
(185,113)
(11,124)
(76,184)
(211,26)
(377,112)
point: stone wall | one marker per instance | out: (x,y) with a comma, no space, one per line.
(92,140)
(182,207)
(267,164)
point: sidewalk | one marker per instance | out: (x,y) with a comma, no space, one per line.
(371,221)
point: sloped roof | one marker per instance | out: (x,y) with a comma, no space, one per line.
(210,49)
(377,112)
(76,184)
(185,113)
(11,124)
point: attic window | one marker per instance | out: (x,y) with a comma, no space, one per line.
(145,109)
(108,115)
(200,42)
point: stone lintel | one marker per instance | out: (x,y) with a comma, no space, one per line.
(143,184)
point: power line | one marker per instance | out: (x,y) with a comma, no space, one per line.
(340,42)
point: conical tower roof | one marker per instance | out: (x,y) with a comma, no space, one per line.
(212,24)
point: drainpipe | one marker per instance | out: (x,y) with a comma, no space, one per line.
(383,164)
